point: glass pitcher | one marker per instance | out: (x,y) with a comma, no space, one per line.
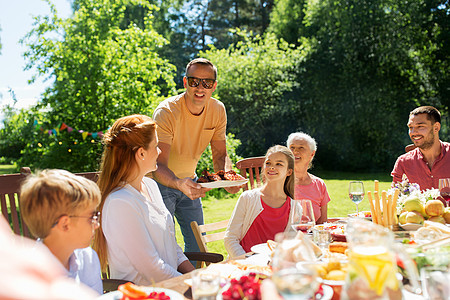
(372,267)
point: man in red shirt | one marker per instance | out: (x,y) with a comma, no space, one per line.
(430,160)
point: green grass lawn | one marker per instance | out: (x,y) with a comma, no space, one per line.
(7,169)
(220,207)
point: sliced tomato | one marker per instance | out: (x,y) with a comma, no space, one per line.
(399,262)
(131,291)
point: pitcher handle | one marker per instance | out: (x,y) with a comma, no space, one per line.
(410,268)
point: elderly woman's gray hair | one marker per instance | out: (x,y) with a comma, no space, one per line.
(302,136)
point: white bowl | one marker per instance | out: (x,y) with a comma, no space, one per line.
(410,226)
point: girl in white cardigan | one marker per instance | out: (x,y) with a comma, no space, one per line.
(137,235)
(261,213)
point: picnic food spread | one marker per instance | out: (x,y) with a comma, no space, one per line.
(344,266)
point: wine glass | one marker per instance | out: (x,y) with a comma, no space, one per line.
(444,188)
(303,216)
(356,193)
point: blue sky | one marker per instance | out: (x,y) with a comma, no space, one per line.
(16,19)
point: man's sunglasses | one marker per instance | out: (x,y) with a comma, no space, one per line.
(194,82)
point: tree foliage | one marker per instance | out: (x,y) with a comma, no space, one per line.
(192,25)
(361,77)
(101,71)
(348,72)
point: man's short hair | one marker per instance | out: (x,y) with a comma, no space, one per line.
(51,194)
(432,113)
(201,61)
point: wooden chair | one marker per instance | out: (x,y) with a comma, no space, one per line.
(204,234)
(410,147)
(9,197)
(251,169)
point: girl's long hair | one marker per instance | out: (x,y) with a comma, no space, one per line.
(118,164)
(289,183)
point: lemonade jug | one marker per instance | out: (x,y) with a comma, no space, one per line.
(372,267)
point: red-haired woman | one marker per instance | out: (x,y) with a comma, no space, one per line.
(137,235)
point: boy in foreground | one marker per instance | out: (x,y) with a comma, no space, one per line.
(60,210)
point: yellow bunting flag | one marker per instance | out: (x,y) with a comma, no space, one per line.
(84,134)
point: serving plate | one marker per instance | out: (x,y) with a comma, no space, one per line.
(261,248)
(223,183)
(116,295)
(410,226)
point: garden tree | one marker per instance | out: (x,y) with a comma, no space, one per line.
(15,132)
(100,71)
(360,78)
(433,51)
(254,76)
(194,24)
(286,20)
(248,15)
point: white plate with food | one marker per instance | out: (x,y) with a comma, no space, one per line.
(261,248)
(410,226)
(362,214)
(223,183)
(116,295)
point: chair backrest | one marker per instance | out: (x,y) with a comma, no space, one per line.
(208,233)
(203,235)
(9,201)
(251,169)
(410,147)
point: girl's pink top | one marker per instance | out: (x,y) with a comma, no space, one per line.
(316,191)
(268,223)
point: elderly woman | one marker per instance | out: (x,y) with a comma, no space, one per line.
(308,186)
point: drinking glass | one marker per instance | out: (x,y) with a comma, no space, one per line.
(444,188)
(205,284)
(435,282)
(356,193)
(303,216)
(292,280)
(296,283)
(322,238)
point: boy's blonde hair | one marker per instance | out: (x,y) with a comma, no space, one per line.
(51,194)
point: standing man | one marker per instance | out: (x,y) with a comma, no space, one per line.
(187,123)
(430,160)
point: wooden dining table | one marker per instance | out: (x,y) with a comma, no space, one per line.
(177,284)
